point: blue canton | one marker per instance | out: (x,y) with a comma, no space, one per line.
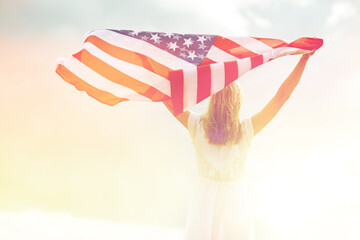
(192,48)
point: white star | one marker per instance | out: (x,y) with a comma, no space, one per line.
(202,46)
(183,55)
(209,37)
(173,46)
(177,37)
(183,49)
(155,37)
(168,35)
(134,33)
(201,56)
(144,38)
(201,39)
(192,55)
(188,42)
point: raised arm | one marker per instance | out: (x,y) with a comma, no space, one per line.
(262,118)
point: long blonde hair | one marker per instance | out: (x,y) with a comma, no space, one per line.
(222,120)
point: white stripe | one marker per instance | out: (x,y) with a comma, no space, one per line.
(252,44)
(140,46)
(190,87)
(244,65)
(218,55)
(283,51)
(217,77)
(132,70)
(98,81)
(266,56)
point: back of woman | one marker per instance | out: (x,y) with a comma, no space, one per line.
(221,161)
(220,207)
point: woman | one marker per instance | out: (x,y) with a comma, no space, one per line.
(220,208)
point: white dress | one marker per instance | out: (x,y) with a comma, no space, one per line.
(220,208)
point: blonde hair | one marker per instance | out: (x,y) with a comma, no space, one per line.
(222,120)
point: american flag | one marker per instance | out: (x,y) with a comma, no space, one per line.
(178,69)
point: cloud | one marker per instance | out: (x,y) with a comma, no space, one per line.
(302,3)
(341,10)
(212,15)
(258,20)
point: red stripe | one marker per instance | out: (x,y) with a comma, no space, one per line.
(100,95)
(206,61)
(311,44)
(77,55)
(177,90)
(231,72)
(203,82)
(232,48)
(274,43)
(256,61)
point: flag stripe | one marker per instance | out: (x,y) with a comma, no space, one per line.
(310,44)
(231,72)
(217,55)
(177,90)
(217,77)
(203,82)
(190,86)
(244,65)
(252,44)
(206,61)
(282,51)
(134,72)
(273,43)
(232,48)
(256,61)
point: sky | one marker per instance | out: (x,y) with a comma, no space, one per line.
(62,152)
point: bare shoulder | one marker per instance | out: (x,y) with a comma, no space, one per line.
(183,118)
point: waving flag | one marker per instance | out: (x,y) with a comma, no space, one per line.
(178,69)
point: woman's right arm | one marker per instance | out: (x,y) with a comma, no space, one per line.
(262,118)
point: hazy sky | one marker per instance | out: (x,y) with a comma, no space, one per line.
(61,150)
(283,18)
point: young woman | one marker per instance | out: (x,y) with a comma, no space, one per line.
(220,209)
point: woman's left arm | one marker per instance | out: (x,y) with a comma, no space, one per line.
(182,117)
